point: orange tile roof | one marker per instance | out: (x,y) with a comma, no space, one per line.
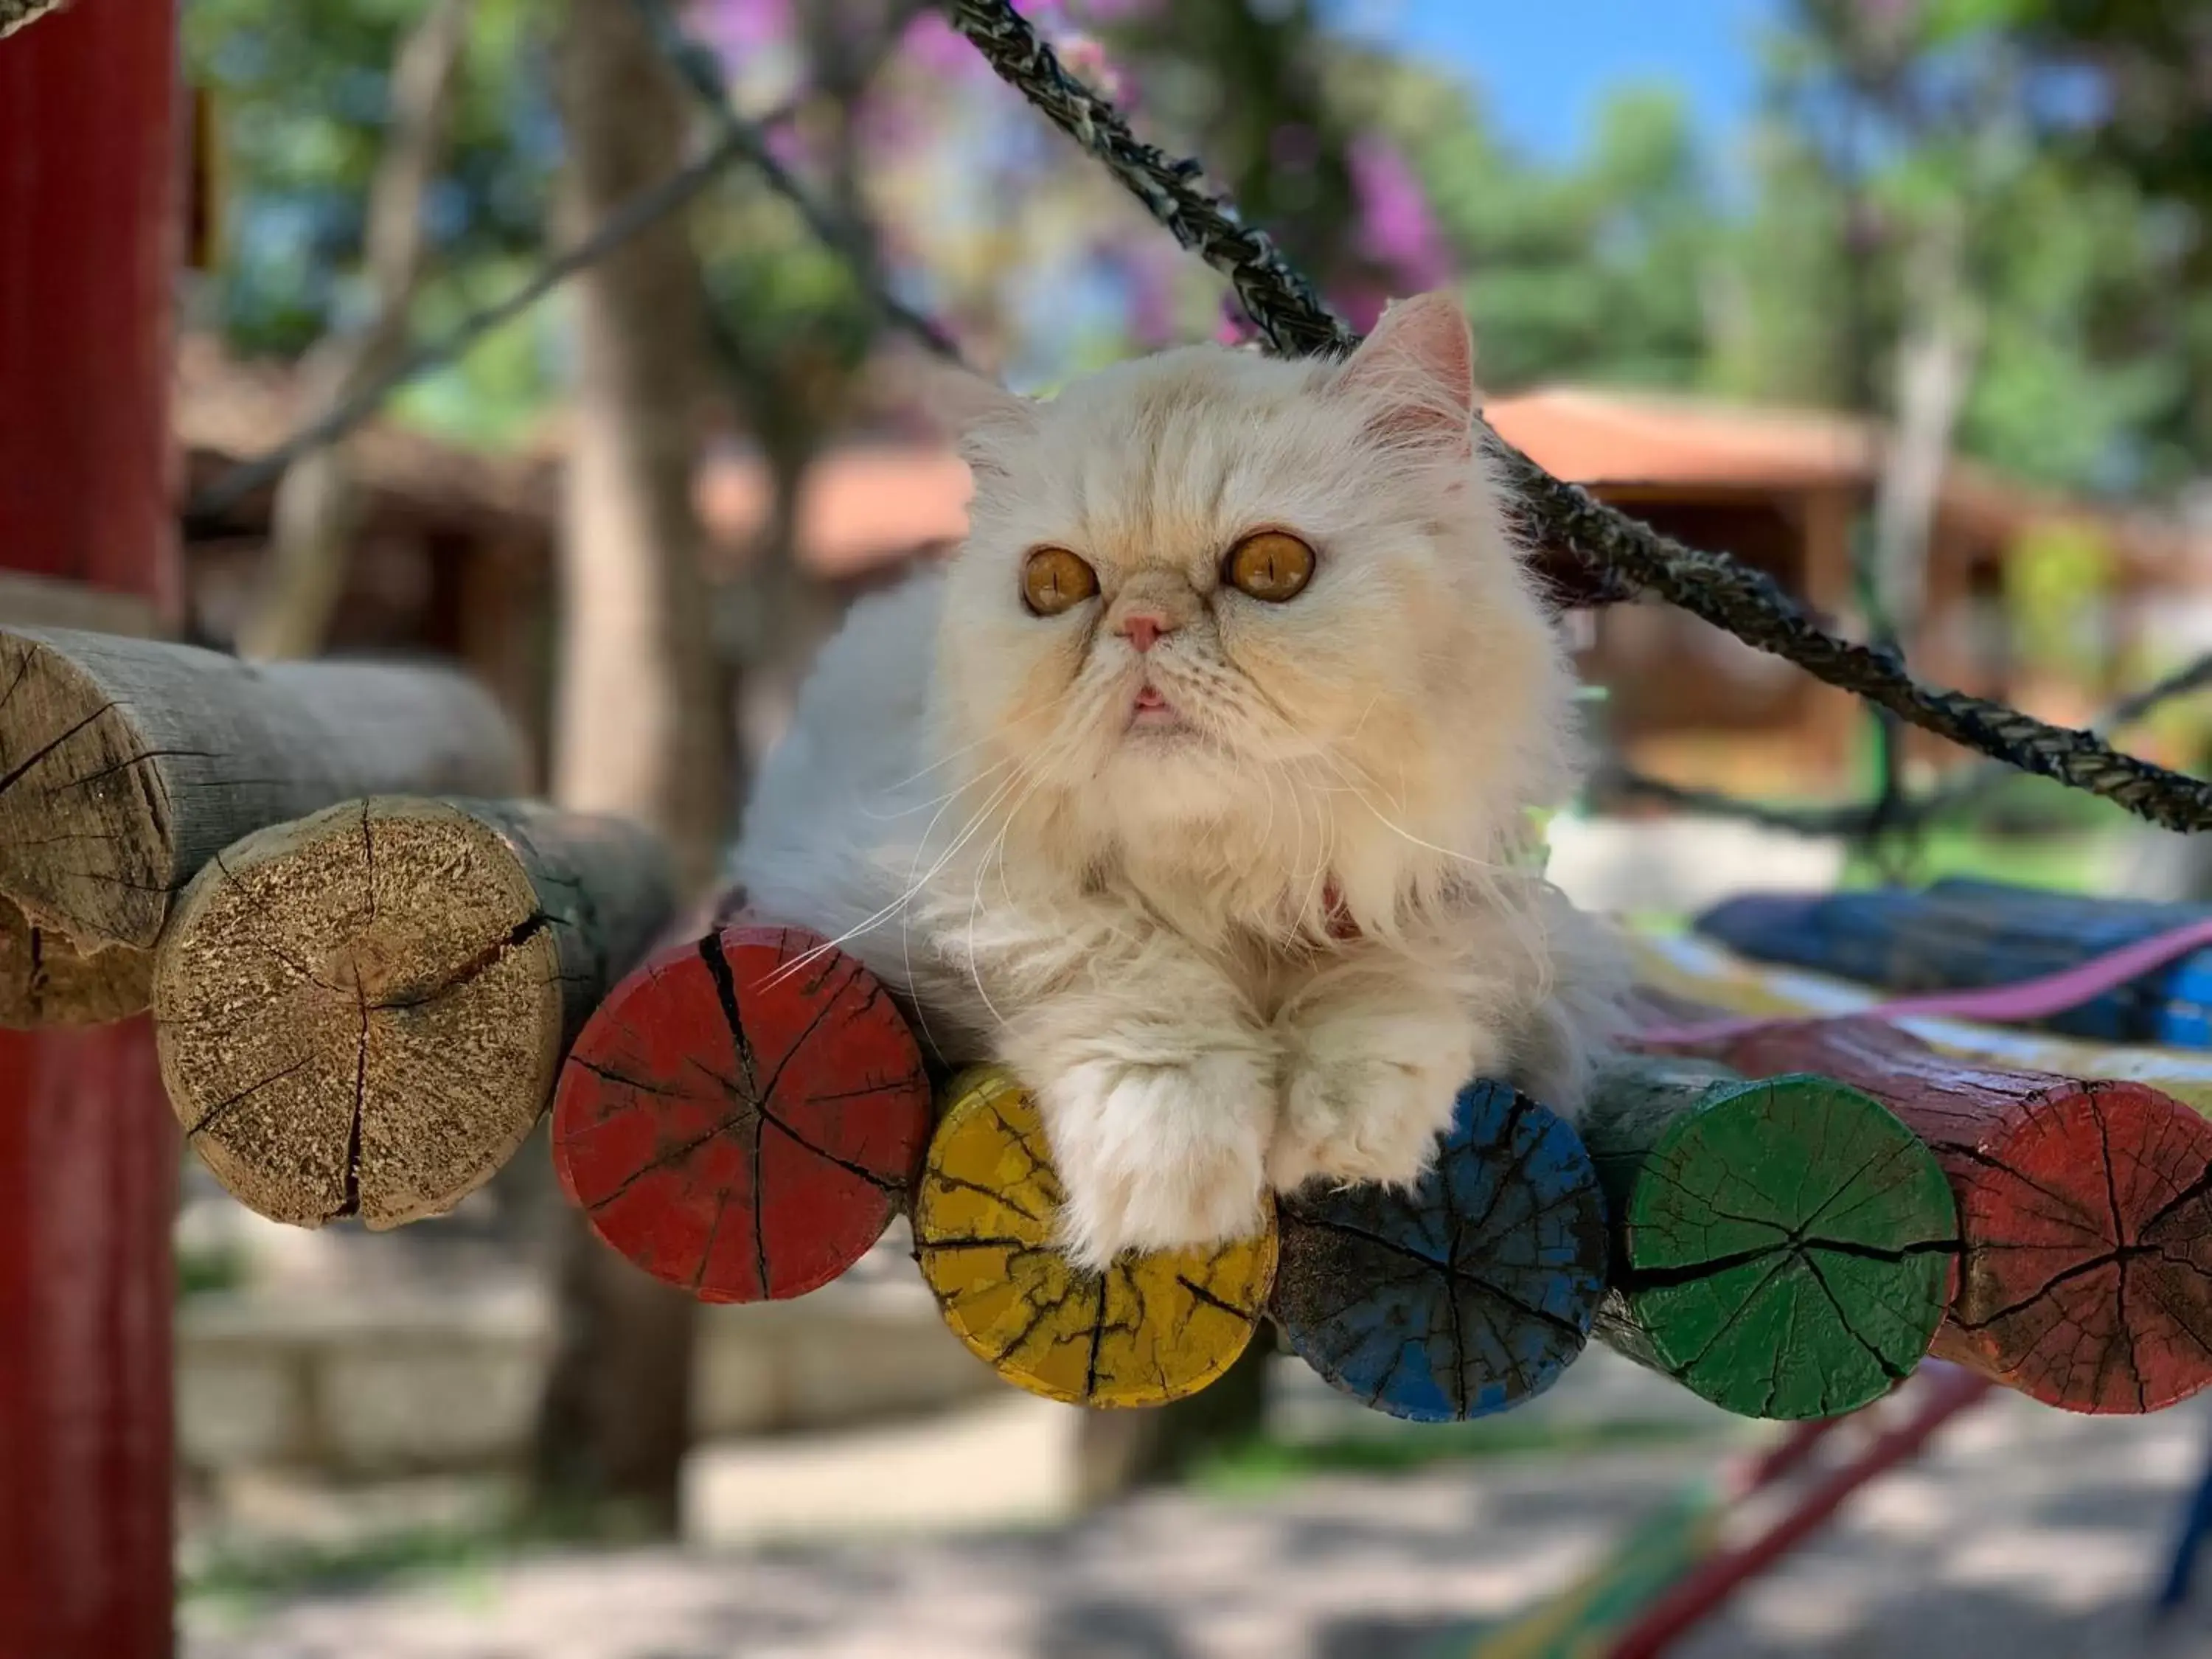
(1620,440)
(1604,437)
(858,508)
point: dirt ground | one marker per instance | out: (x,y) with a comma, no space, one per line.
(2025,1535)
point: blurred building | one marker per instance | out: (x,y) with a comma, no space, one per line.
(452,550)
(1789,492)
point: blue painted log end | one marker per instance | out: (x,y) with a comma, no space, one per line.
(1469,1294)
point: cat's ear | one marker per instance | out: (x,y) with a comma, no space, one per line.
(1416,374)
(974,413)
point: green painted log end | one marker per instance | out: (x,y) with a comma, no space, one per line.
(1785,1249)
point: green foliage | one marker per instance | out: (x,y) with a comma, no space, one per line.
(1596,270)
(209,1272)
(2057,586)
(1269,1461)
(302,94)
(2094,342)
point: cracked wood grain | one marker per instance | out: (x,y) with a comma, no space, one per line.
(361,1013)
(127,764)
(1152,1328)
(1466,1296)
(2084,1212)
(741,1123)
(1784,1248)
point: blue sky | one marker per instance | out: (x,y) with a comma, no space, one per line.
(1543,65)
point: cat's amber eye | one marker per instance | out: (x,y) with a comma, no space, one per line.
(1054,579)
(1274,565)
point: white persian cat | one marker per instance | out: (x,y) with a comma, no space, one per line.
(1201,787)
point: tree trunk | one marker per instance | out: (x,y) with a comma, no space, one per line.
(1119,1452)
(315,516)
(1935,365)
(642,716)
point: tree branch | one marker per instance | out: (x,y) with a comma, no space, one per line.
(313,519)
(702,73)
(642,211)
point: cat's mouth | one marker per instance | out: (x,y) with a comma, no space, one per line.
(1150,711)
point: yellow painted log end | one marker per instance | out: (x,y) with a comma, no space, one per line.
(1150,1329)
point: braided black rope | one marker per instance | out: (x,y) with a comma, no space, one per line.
(1958,790)
(700,71)
(1638,559)
(1289,314)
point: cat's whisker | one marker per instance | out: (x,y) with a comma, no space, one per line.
(1407,835)
(1343,758)
(950,796)
(914,887)
(997,852)
(942,762)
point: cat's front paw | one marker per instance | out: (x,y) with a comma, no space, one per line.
(1159,1157)
(1356,1112)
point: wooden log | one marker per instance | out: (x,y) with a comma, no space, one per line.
(1151,1328)
(1466,1296)
(46,980)
(744,1115)
(362,1012)
(1784,1248)
(127,764)
(2085,1211)
(1966,935)
(1705,972)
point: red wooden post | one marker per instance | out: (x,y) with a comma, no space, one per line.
(89,171)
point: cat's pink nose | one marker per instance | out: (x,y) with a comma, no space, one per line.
(1143,628)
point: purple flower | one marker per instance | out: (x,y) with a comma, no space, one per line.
(934,44)
(1396,230)
(1235,329)
(739,27)
(1148,277)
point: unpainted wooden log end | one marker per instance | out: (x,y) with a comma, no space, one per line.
(360,1013)
(85,847)
(21,14)
(45,981)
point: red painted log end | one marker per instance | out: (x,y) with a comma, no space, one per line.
(2092,1286)
(743,1114)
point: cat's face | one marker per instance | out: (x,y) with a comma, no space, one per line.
(1209,588)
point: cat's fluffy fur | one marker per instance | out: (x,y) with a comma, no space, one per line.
(1140,922)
